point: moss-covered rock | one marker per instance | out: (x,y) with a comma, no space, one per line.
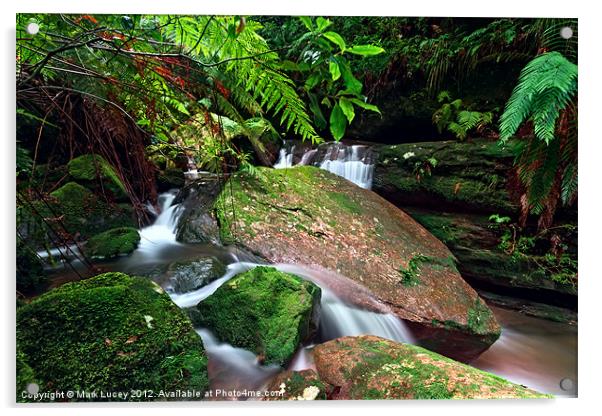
(89,169)
(309,216)
(111,332)
(25,377)
(263,310)
(298,385)
(369,367)
(113,243)
(467,176)
(84,213)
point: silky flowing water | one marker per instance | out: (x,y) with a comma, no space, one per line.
(534,352)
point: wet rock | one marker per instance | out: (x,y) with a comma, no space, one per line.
(308,216)
(197,222)
(369,367)
(263,310)
(111,332)
(170,179)
(186,276)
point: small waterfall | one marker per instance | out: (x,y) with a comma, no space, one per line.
(163,231)
(352,162)
(285,159)
(338,319)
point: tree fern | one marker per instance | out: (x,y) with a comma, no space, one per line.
(545,96)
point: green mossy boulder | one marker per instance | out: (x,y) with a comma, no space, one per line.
(112,243)
(25,376)
(370,367)
(263,310)
(113,333)
(306,215)
(84,213)
(89,169)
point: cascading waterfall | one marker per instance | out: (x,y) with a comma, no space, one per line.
(285,159)
(352,162)
(163,231)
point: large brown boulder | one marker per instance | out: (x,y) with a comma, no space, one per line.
(369,367)
(308,216)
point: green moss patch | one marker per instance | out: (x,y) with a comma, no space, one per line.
(90,168)
(111,332)
(113,243)
(263,310)
(82,212)
(369,367)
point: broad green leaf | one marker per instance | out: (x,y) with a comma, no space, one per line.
(335,71)
(307,22)
(338,123)
(365,50)
(353,85)
(336,39)
(347,108)
(365,105)
(322,23)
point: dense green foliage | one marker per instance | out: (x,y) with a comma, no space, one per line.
(112,332)
(263,310)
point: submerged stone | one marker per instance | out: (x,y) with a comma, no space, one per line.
(112,333)
(263,310)
(113,243)
(369,367)
(305,215)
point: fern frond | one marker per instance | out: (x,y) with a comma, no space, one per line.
(546,85)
